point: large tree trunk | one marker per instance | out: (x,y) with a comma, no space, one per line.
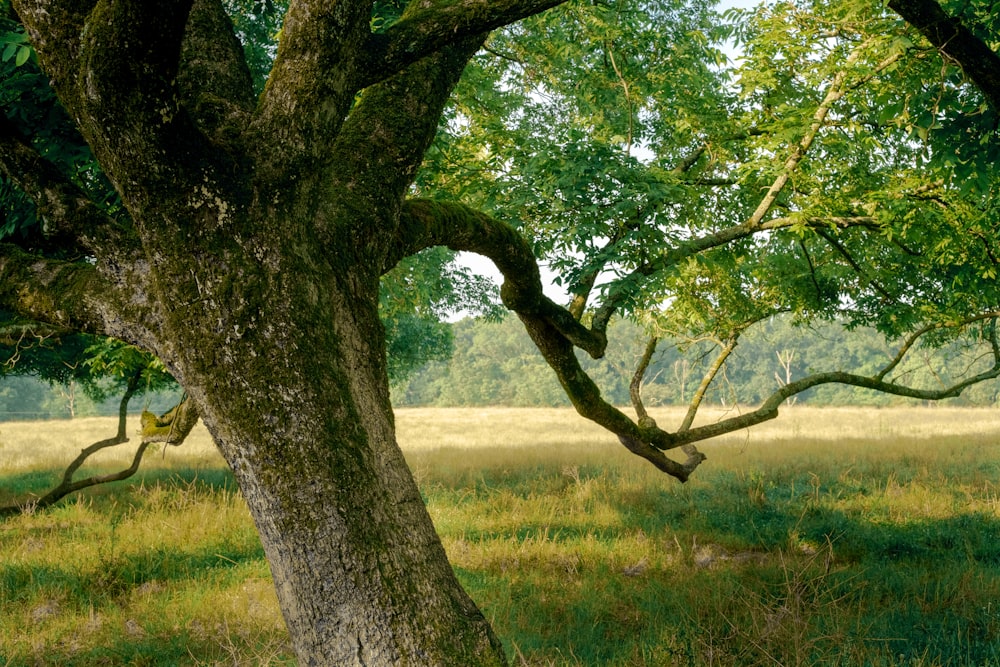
(246,255)
(361,574)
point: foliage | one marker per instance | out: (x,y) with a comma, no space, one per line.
(613,142)
(617,137)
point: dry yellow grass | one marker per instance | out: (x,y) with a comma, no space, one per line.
(422,428)
(46,444)
(36,444)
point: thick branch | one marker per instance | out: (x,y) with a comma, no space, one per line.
(956,42)
(54,292)
(430,26)
(214,81)
(116,74)
(127,67)
(55,27)
(646,441)
(312,84)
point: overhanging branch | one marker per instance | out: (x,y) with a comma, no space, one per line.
(392,156)
(956,42)
(769,408)
(430,26)
(552,328)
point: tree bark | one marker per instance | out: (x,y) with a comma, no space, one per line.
(361,575)
(248,259)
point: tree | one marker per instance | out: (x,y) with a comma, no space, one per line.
(250,227)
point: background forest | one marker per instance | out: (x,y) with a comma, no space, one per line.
(495,363)
(491,361)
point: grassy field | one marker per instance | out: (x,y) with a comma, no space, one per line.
(827,537)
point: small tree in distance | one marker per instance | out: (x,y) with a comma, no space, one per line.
(239,229)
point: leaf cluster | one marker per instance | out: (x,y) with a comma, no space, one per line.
(621,139)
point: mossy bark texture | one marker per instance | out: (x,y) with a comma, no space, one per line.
(247,257)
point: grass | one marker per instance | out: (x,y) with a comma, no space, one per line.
(829,536)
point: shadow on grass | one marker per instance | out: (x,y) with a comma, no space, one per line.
(790,576)
(756,574)
(22,487)
(138,573)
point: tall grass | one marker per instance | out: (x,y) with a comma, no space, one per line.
(830,536)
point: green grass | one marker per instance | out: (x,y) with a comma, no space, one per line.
(832,537)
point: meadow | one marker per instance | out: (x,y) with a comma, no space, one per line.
(833,536)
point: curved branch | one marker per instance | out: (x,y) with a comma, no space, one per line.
(126,70)
(312,84)
(427,27)
(68,486)
(913,338)
(553,329)
(769,408)
(425,223)
(116,74)
(645,440)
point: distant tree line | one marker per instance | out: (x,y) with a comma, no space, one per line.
(24,398)
(494,363)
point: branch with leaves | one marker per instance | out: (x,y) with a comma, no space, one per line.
(170,428)
(956,42)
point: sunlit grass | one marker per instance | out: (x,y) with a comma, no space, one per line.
(829,536)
